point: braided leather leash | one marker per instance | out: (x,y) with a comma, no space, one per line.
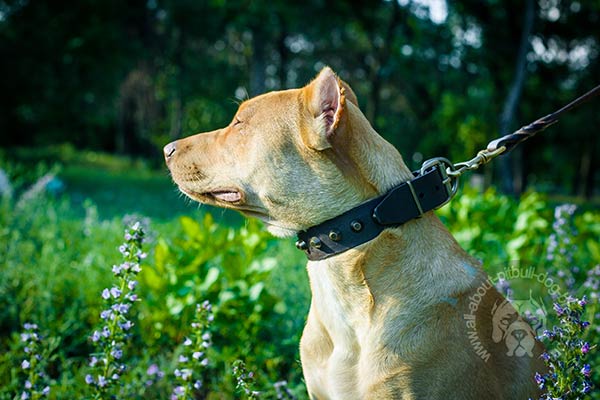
(506,143)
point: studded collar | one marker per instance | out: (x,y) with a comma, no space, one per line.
(428,190)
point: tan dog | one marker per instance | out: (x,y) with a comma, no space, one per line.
(388,319)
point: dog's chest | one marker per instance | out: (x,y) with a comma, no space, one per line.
(338,303)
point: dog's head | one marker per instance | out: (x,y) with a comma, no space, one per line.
(292,158)
(509,326)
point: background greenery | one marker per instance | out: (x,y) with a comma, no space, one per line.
(435,77)
(57,252)
(93,90)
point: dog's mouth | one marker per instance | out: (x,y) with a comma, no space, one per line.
(223,196)
(227,196)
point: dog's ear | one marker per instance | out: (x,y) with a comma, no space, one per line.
(349,93)
(326,97)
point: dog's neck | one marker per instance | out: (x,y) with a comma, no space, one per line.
(404,272)
(408,260)
(372,163)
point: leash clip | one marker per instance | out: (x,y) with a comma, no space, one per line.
(446,170)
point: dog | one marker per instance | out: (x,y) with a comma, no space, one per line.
(387,317)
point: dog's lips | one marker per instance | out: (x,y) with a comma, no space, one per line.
(230,196)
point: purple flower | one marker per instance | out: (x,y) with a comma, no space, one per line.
(559,310)
(585,348)
(122,308)
(25,364)
(187,342)
(131,285)
(106,315)
(179,390)
(95,336)
(101,381)
(197,355)
(539,380)
(585,324)
(186,374)
(89,379)
(197,385)
(586,370)
(131,297)
(115,292)
(126,325)
(183,359)
(117,353)
(152,370)
(206,305)
(93,361)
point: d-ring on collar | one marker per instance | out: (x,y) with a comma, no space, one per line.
(431,188)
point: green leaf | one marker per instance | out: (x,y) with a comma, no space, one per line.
(211,277)
(161,254)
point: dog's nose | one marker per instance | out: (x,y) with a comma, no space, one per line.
(169,150)
(519,334)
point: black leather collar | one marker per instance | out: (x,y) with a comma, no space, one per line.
(430,189)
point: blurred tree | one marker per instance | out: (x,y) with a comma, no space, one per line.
(434,77)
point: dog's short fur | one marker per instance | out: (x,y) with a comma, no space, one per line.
(388,319)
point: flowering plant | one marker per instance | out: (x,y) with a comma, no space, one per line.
(32,365)
(245,380)
(106,364)
(188,375)
(569,373)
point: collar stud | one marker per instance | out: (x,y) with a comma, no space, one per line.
(315,242)
(301,245)
(335,235)
(356,225)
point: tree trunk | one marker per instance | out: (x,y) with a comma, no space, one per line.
(257,63)
(382,57)
(511,165)
(283,53)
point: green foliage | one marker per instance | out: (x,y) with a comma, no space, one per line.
(228,268)
(497,229)
(54,265)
